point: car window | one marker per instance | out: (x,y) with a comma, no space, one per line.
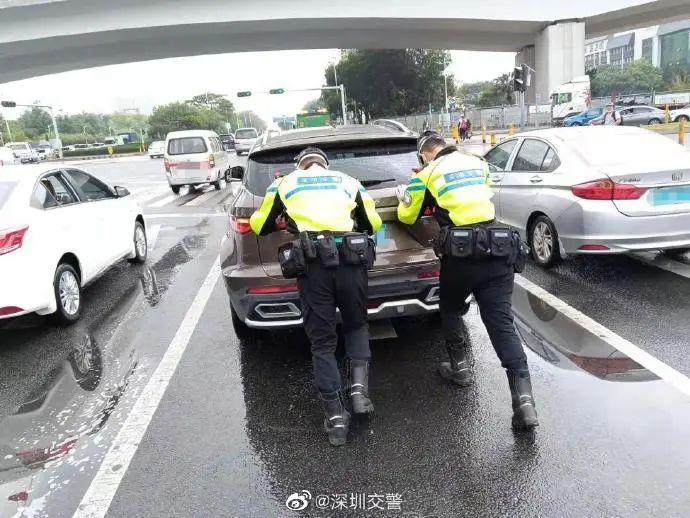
(246,134)
(499,156)
(551,161)
(531,155)
(17,147)
(187,145)
(41,198)
(91,188)
(6,189)
(58,189)
(368,164)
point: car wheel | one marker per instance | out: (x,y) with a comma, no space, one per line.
(140,244)
(228,176)
(242,330)
(654,122)
(67,288)
(175,189)
(544,242)
(576,124)
(216,185)
(683,118)
(87,363)
(676,252)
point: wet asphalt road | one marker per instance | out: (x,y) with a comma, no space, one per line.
(238,429)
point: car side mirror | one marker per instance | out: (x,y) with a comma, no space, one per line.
(121,191)
(237,172)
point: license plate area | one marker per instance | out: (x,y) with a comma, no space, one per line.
(671,195)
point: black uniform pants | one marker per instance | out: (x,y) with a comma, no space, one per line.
(491,282)
(321,291)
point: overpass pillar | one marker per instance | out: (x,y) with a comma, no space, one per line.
(558,56)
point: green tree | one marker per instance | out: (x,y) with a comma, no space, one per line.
(498,92)
(219,109)
(314,105)
(123,122)
(251,119)
(638,76)
(16,129)
(175,117)
(390,82)
(36,123)
(677,76)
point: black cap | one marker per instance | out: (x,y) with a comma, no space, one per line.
(311,151)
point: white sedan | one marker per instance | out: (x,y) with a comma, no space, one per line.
(60,228)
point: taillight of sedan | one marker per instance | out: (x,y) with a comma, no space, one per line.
(11,240)
(607,190)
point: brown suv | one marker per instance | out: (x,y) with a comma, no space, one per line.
(404,280)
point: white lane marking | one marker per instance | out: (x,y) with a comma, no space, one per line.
(649,362)
(145,196)
(200,199)
(162,202)
(663,262)
(99,495)
(184,215)
(152,236)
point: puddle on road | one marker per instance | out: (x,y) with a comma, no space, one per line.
(51,427)
(566,344)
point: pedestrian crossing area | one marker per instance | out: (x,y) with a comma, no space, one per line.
(156,196)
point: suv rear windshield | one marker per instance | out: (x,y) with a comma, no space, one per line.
(17,147)
(391,163)
(246,133)
(5,191)
(186,146)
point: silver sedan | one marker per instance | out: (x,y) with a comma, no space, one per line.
(593,190)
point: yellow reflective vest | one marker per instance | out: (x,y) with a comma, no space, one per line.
(457,184)
(317,199)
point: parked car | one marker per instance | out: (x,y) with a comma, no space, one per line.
(642,115)
(157,149)
(195,157)
(245,139)
(681,114)
(583,118)
(600,190)
(404,280)
(61,229)
(24,152)
(7,157)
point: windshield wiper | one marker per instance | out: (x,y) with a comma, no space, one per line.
(369,183)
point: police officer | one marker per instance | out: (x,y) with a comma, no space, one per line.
(456,185)
(331,211)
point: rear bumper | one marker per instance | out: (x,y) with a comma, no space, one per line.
(590,222)
(389,297)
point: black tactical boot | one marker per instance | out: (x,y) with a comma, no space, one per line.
(337,421)
(524,412)
(359,387)
(457,369)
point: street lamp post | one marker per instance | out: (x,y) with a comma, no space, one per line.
(86,140)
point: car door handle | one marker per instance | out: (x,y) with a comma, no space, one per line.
(536,179)
(496,179)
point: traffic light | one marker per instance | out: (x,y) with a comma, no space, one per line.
(518,80)
(276,91)
(244,94)
(526,75)
(8,104)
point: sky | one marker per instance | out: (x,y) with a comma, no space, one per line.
(146,84)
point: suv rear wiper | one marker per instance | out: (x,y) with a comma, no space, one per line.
(369,183)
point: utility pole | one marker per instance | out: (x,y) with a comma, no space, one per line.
(342,100)
(9,132)
(445,80)
(335,74)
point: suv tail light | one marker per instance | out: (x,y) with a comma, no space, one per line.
(266,290)
(166,163)
(11,240)
(608,190)
(211,161)
(240,225)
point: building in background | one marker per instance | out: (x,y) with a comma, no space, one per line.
(661,45)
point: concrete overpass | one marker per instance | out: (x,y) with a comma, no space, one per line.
(39,37)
